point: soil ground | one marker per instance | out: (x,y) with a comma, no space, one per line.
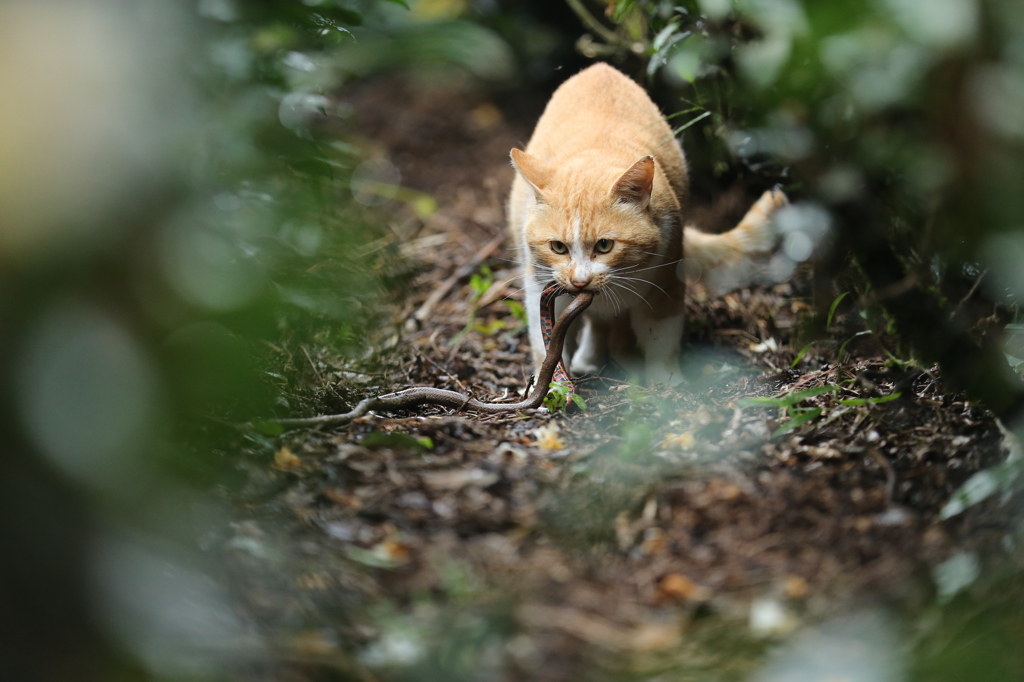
(611,543)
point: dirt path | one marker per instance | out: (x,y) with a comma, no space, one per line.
(625,537)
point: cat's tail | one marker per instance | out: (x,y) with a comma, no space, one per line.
(737,258)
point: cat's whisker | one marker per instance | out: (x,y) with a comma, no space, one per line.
(616,300)
(622,278)
(639,279)
(635,293)
(626,287)
(652,267)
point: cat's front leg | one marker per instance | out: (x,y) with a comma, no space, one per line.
(589,353)
(659,341)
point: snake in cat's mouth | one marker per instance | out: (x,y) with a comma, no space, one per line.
(552,369)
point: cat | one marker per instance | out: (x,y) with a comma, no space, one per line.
(597,204)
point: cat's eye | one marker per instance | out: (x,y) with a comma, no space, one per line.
(604,245)
(559,247)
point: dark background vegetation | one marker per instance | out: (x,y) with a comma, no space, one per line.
(181,189)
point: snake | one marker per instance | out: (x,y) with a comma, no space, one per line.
(552,369)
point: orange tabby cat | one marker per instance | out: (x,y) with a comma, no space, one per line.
(597,204)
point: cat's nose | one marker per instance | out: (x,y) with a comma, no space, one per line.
(581,283)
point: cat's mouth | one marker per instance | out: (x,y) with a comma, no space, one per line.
(568,288)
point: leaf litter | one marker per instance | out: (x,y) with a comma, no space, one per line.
(661,529)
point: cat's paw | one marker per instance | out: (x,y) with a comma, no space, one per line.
(587,359)
(584,366)
(662,374)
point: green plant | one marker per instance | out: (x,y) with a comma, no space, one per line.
(788,406)
(557,399)
(518,312)
(480,283)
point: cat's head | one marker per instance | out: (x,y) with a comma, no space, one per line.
(590,223)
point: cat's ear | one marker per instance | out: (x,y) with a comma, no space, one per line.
(634,186)
(534,171)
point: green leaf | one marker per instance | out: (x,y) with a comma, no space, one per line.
(481,282)
(832,309)
(580,402)
(760,402)
(871,401)
(517,310)
(268,427)
(793,398)
(620,9)
(787,400)
(842,348)
(663,35)
(690,123)
(637,437)
(554,402)
(403,3)
(955,574)
(803,351)
(557,398)
(491,328)
(981,486)
(800,355)
(368,558)
(478,285)
(424,206)
(801,417)
(684,112)
(393,440)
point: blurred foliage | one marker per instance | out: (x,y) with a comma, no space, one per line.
(182,204)
(182,200)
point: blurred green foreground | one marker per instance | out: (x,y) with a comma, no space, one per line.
(171,173)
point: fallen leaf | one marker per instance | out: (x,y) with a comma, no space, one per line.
(455,479)
(678,586)
(730,492)
(796,587)
(342,499)
(548,438)
(654,542)
(683,441)
(823,451)
(393,550)
(654,637)
(284,459)
(769,345)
